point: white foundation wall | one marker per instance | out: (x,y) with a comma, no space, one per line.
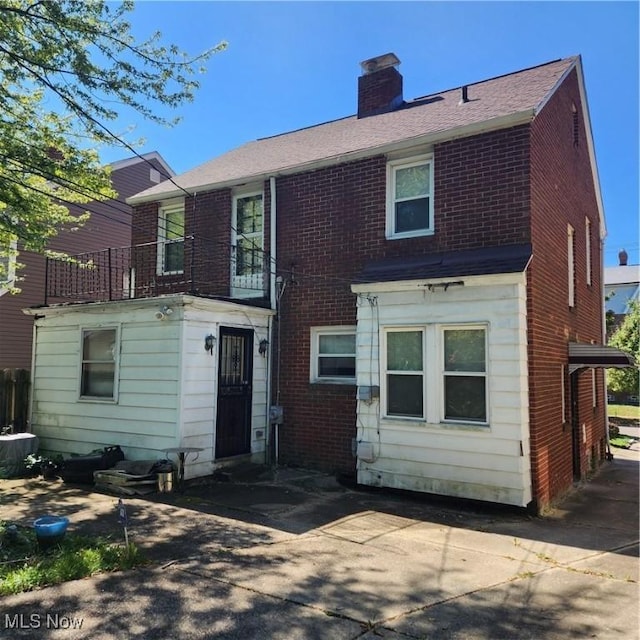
(463,460)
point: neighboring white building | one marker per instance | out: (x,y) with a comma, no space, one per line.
(621,285)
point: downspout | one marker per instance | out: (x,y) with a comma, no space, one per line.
(32,373)
(272,304)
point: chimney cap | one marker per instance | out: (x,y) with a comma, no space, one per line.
(379,62)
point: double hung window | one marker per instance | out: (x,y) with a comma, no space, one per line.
(416,387)
(464,375)
(98,375)
(171,239)
(410,197)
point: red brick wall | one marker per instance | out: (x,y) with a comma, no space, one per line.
(208,230)
(332,221)
(562,192)
(378,91)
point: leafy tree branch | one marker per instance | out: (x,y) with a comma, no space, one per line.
(67,69)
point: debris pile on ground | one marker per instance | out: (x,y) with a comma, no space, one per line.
(135,477)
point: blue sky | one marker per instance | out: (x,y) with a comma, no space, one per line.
(295,64)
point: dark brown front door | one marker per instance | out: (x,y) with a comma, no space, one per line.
(233,425)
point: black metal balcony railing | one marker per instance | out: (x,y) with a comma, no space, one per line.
(157,268)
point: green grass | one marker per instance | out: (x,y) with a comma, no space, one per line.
(622,442)
(628,411)
(25,567)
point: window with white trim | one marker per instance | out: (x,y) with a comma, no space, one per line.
(414,387)
(171,239)
(571,266)
(8,266)
(587,248)
(333,354)
(404,372)
(98,368)
(248,225)
(410,197)
(465,374)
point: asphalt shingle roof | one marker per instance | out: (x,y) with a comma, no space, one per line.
(448,264)
(516,93)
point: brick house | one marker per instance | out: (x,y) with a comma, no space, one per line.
(411,295)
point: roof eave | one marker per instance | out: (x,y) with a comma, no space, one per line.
(486,126)
(577,65)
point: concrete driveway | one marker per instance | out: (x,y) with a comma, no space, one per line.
(295,555)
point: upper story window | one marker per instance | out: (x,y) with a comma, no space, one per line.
(8,266)
(571,265)
(410,197)
(171,238)
(98,369)
(247,266)
(333,354)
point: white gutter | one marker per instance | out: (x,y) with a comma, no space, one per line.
(274,246)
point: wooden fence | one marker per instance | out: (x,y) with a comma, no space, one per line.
(14,399)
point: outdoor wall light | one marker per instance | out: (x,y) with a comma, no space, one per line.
(262,347)
(209,343)
(163,312)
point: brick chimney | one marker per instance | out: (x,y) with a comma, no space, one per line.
(379,86)
(622,258)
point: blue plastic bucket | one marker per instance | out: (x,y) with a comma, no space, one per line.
(50,530)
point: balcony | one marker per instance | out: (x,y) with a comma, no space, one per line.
(159,268)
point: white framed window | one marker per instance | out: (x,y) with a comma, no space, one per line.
(587,247)
(171,238)
(404,372)
(571,265)
(410,197)
(415,387)
(247,265)
(333,354)
(99,363)
(464,372)
(8,266)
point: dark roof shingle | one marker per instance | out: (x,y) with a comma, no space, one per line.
(522,92)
